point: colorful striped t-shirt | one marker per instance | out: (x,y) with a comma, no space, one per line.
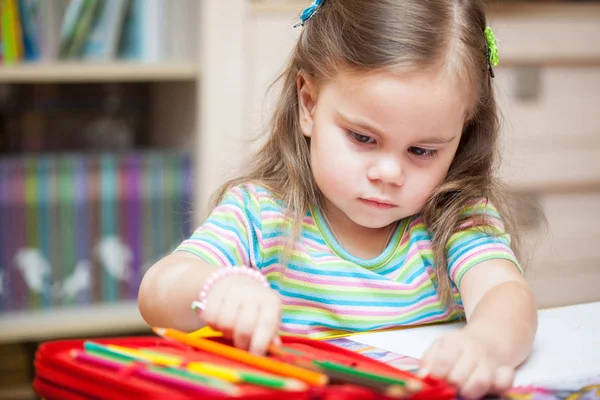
(324,289)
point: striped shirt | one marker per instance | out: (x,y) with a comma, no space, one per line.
(324,289)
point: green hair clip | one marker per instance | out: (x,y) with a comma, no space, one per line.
(492,46)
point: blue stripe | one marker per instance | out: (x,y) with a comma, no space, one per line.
(363,303)
(334,273)
(314,321)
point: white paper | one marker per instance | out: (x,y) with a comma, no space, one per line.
(567,344)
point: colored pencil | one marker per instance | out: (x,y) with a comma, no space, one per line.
(390,386)
(410,384)
(160,359)
(215,383)
(176,383)
(267,364)
(232,375)
(218,371)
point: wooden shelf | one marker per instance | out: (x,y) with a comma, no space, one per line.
(97,72)
(89,320)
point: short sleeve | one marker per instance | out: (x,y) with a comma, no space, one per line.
(475,242)
(229,236)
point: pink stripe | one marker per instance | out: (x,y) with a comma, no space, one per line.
(306,330)
(269,243)
(272,269)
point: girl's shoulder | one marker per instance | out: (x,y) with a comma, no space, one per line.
(256,196)
(479,211)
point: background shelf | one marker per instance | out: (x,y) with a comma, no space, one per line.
(98,72)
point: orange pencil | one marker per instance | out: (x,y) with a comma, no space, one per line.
(267,364)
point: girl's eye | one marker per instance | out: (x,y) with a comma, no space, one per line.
(361,138)
(423,153)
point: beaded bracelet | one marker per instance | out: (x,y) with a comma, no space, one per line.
(222,273)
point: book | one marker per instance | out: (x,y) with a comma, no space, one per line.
(102,42)
(396,360)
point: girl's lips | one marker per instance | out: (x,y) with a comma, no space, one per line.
(377,204)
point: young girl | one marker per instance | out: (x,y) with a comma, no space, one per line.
(372,203)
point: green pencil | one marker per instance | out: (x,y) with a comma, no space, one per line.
(392,387)
(211,381)
(410,384)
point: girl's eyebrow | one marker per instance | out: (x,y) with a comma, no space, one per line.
(370,127)
(361,123)
(436,140)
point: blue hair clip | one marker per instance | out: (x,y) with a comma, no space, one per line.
(309,12)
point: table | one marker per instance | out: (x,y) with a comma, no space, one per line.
(567,344)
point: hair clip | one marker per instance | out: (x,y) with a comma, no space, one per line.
(309,12)
(492,49)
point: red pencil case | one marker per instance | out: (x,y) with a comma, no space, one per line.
(60,376)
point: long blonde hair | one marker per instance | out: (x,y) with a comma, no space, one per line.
(380,35)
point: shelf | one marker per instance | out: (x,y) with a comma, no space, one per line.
(97,72)
(90,320)
(24,392)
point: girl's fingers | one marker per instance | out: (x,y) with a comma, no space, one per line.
(462,369)
(447,355)
(429,358)
(228,313)
(211,311)
(267,325)
(503,379)
(244,326)
(479,383)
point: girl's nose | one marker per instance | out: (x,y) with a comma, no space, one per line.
(388,171)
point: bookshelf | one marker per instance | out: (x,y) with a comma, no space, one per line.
(172,89)
(71,72)
(77,321)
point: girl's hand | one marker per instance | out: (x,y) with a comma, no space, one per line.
(467,362)
(244,310)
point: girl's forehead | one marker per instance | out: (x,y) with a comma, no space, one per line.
(423,98)
(428,81)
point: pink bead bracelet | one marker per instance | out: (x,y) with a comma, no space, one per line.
(222,273)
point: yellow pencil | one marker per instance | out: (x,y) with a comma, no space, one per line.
(235,376)
(217,371)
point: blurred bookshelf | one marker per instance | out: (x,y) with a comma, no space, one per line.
(98,72)
(79,321)
(99,106)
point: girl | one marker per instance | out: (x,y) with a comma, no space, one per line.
(372,203)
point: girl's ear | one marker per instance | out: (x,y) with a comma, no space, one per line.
(307,96)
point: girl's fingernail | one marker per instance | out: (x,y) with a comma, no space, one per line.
(423,372)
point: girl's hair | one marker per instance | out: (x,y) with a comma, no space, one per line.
(389,35)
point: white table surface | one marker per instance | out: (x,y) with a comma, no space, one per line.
(567,345)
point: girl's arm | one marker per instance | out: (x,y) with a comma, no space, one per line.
(168,289)
(501,326)
(239,306)
(500,309)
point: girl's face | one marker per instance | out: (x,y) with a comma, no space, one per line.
(381,143)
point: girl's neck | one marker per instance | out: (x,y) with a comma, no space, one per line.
(360,241)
